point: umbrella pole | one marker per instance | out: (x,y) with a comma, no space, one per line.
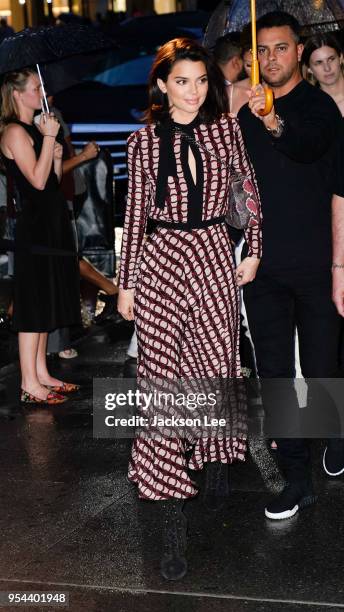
(269,97)
(46,105)
(255,64)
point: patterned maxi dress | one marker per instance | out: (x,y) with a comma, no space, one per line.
(186,297)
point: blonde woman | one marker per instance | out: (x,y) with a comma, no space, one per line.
(46,283)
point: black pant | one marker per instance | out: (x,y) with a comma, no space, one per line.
(277,302)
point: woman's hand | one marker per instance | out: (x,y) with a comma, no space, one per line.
(125,304)
(246,270)
(90,151)
(58,151)
(49,125)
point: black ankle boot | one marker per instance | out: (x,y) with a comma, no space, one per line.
(173,565)
(216,491)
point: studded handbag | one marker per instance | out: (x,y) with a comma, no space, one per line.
(242,209)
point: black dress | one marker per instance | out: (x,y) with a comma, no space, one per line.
(46,274)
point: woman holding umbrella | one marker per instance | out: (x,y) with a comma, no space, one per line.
(46,283)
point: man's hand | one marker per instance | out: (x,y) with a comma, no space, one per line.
(125,304)
(246,270)
(256,103)
(338,289)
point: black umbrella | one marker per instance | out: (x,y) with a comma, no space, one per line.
(233,15)
(48,44)
(69,71)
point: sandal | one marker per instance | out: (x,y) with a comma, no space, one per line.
(52,398)
(64,388)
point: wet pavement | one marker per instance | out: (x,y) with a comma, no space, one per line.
(70,521)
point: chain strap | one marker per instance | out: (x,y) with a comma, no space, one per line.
(234,176)
(238,215)
(199,145)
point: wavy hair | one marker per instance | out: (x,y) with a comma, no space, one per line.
(216,102)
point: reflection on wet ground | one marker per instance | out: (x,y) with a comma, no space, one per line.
(71,521)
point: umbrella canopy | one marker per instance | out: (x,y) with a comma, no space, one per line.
(233,15)
(48,44)
(65,73)
(69,71)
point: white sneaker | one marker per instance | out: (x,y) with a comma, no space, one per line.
(333,457)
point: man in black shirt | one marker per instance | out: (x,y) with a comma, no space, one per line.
(291,150)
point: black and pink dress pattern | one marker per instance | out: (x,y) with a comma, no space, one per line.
(186,297)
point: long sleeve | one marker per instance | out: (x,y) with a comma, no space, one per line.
(241,165)
(136,214)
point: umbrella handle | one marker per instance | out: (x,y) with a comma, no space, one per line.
(269,96)
(255,80)
(45,101)
(269,102)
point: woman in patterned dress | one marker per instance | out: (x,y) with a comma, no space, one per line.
(180,284)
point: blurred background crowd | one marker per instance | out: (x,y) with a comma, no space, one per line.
(101,97)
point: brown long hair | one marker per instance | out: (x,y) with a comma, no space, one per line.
(14,81)
(216,102)
(312,44)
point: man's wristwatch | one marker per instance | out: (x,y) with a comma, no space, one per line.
(277,131)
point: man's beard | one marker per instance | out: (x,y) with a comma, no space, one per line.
(284,79)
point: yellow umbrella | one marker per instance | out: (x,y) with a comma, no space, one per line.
(255,80)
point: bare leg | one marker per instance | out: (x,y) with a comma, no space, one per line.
(41,361)
(28,350)
(92,275)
